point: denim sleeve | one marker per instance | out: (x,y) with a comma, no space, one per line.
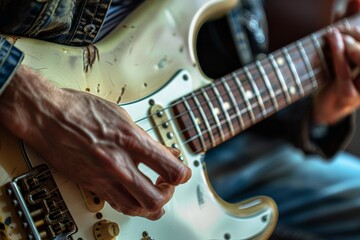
(10,59)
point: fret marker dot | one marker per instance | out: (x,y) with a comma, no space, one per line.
(216,111)
(249,94)
(292,90)
(226,106)
(280,61)
(198,121)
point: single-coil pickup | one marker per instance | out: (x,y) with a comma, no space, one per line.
(164,128)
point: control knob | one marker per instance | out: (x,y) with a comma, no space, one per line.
(106,230)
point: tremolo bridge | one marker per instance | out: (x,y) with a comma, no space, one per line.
(39,205)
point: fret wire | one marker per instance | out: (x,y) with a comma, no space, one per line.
(221,103)
(249,106)
(256,90)
(226,77)
(320,52)
(280,77)
(293,71)
(203,115)
(258,116)
(193,119)
(232,98)
(307,63)
(238,82)
(268,85)
(247,102)
(211,106)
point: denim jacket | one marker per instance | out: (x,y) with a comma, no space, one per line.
(70,22)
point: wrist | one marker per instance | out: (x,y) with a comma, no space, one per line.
(23,99)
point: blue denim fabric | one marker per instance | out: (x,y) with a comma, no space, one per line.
(316,199)
(10,59)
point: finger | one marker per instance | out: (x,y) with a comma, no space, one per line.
(164,162)
(352,31)
(352,48)
(150,197)
(138,202)
(345,89)
(122,201)
(337,47)
(165,189)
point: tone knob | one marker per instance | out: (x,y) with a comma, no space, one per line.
(106,230)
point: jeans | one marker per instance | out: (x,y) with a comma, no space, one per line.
(317,199)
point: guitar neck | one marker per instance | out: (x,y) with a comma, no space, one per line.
(217,112)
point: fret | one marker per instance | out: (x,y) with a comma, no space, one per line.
(253,92)
(256,90)
(203,116)
(247,102)
(235,105)
(281,78)
(268,84)
(193,119)
(320,52)
(222,105)
(307,63)
(216,118)
(293,71)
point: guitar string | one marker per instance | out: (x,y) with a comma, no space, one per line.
(261,91)
(238,72)
(224,121)
(242,111)
(81,202)
(269,98)
(232,116)
(226,78)
(317,35)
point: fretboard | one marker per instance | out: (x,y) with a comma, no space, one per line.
(233,103)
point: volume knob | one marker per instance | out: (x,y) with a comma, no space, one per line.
(106,230)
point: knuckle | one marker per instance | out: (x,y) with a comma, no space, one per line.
(156,204)
(132,211)
(179,175)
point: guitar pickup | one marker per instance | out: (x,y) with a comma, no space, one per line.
(164,128)
(40,206)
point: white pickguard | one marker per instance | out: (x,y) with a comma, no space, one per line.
(144,59)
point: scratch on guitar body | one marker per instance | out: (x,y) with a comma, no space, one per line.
(90,55)
(121,94)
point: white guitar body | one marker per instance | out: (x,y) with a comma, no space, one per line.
(148,61)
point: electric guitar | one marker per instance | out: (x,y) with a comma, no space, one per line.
(148,66)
